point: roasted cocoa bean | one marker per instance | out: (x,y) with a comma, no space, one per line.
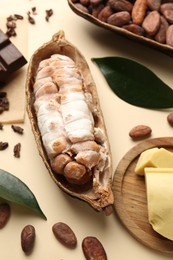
(169,35)
(64,234)
(119,19)
(139,11)
(28,238)
(151,23)
(93,249)
(4,214)
(140,131)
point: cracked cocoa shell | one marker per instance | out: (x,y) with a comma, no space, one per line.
(89,193)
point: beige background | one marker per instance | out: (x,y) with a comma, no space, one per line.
(120,117)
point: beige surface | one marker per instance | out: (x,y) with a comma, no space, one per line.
(120,117)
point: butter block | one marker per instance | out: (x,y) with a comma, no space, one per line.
(154,157)
(159,186)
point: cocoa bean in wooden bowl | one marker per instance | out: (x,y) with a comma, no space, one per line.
(149,22)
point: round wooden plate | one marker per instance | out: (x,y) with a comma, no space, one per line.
(130,197)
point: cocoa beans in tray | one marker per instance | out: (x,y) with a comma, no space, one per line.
(68,124)
(149,22)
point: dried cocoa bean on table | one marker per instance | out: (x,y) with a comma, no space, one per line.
(140,132)
(5,212)
(93,249)
(64,234)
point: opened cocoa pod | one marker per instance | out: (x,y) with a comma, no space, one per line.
(147,22)
(68,124)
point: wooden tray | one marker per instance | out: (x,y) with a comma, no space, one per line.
(130,197)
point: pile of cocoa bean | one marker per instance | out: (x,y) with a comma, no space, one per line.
(149,18)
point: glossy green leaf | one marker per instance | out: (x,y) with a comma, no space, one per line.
(134,83)
(14,190)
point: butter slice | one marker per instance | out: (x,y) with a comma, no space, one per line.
(159,185)
(154,157)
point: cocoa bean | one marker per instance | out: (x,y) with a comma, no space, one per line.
(96,2)
(4,214)
(154,4)
(28,238)
(85,2)
(81,7)
(166,6)
(105,13)
(93,249)
(96,10)
(161,34)
(168,14)
(170,119)
(120,5)
(151,23)
(64,234)
(169,35)
(119,18)
(139,11)
(140,131)
(134,28)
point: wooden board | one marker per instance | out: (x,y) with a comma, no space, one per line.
(130,197)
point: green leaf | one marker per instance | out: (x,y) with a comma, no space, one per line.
(134,83)
(14,190)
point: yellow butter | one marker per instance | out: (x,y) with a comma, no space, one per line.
(154,157)
(159,185)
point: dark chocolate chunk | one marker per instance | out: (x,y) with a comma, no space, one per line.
(11,59)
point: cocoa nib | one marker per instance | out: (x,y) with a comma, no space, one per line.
(4,103)
(3,146)
(49,13)
(16,150)
(17,129)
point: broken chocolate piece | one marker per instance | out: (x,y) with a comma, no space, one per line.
(10,57)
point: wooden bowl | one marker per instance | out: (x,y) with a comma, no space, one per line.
(164,48)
